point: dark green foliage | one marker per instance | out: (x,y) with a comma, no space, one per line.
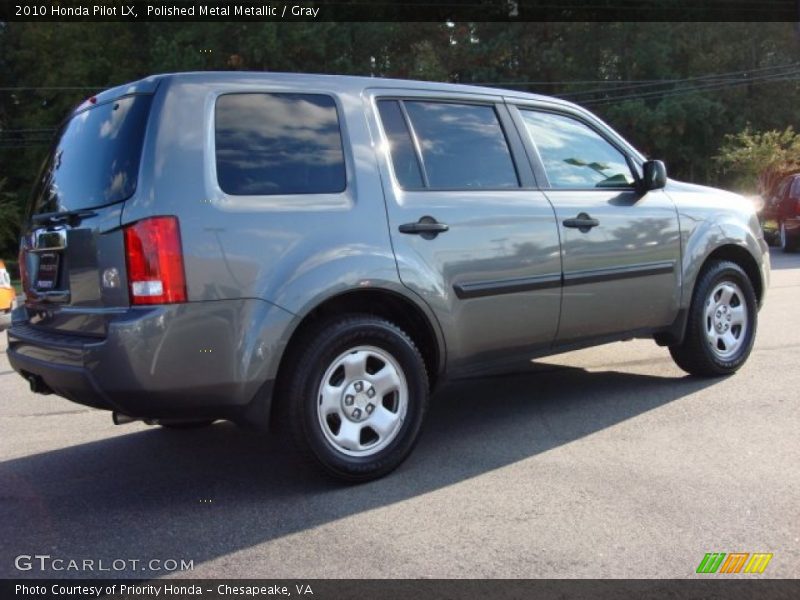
(601,65)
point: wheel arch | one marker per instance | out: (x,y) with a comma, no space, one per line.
(391,305)
(730,251)
(742,257)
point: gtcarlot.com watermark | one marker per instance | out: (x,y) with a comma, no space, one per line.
(45,563)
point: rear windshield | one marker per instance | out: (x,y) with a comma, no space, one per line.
(96,158)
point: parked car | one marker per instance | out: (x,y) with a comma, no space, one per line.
(7,292)
(7,297)
(781,214)
(320,252)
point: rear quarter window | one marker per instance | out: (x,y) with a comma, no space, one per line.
(278,143)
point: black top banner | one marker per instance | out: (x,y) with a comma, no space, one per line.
(401,10)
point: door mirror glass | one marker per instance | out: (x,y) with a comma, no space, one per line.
(654,175)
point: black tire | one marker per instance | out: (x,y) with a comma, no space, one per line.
(696,355)
(772,238)
(184,425)
(788,243)
(300,403)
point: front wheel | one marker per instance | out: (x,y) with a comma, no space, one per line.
(722,322)
(356,397)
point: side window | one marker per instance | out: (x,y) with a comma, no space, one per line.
(795,193)
(269,144)
(574,155)
(461,146)
(780,191)
(401,146)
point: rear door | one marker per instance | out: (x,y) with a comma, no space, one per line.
(472,234)
(72,251)
(621,249)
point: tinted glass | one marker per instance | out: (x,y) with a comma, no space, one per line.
(574,155)
(401,147)
(96,158)
(278,144)
(463,146)
(795,193)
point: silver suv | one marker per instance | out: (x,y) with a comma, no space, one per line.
(319,252)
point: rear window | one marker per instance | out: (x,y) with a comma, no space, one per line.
(270,144)
(96,158)
(462,145)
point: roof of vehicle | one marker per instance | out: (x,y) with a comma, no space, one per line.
(342,84)
(338,83)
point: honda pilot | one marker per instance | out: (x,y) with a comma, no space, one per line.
(317,253)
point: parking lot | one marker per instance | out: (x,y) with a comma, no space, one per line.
(608,462)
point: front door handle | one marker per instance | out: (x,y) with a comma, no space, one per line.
(582,223)
(427,227)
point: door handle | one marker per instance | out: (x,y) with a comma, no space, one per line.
(427,227)
(582,223)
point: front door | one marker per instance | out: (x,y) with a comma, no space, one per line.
(621,249)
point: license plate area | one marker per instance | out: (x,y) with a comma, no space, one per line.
(47,274)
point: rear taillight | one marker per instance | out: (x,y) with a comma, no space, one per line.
(155,261)
(797,208)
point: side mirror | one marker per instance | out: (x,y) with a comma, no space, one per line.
(654,176)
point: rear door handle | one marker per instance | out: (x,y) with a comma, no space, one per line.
(582,223)
(427,227)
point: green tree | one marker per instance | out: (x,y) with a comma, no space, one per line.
(9,219)
(762,158)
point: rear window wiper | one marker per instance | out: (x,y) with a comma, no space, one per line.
(69,217)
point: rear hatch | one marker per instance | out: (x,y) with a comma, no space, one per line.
(72,254)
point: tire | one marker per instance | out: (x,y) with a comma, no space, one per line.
(355,398)
(185,425)
(722,323)
(772,238)
(788,243)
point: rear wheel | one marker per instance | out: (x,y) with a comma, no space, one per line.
(722,322)
(788,242)
(356,397)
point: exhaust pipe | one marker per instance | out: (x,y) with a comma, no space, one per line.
(38,386)
(121,419)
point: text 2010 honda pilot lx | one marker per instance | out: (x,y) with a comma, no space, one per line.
(320,251)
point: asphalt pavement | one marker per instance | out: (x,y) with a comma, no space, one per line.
(607,462)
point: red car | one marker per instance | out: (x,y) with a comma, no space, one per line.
(781,214)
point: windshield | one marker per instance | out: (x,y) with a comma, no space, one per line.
(96,158)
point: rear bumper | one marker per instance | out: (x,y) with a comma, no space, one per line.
(204,359)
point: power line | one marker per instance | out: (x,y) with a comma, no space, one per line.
(710,86)
(716,76)
(626,83)
(51,88)
(636,82)
(47,129)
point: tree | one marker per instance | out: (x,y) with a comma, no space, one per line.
(9,218)
(673,89)
(764,158)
